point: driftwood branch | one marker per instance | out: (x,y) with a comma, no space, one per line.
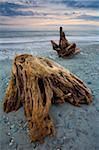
(64,49)
(35,84)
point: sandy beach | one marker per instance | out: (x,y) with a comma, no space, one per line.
(77,128)
(46,29)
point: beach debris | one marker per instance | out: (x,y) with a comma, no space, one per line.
(64,48)
(12,144)
(11,141)
(58,148)
(9,134)
(36,83)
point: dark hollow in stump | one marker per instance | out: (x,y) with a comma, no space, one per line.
(35,84)
(64,49)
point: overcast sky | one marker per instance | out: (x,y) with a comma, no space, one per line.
(49,14)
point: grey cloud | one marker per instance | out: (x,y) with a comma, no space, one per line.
(88,17)
(89,4)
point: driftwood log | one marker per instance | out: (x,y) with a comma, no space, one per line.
(35,84)
(64,48)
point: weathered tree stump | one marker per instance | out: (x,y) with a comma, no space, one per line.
(35,84)
(64,49)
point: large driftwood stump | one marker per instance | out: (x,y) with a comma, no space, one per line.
(35,84)
(64,49)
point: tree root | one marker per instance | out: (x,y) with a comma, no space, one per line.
(64,49)
(35,84)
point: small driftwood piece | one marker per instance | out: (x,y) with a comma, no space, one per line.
(64,49)
(35,84)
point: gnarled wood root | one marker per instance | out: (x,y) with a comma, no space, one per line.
(35,84)
(64,49)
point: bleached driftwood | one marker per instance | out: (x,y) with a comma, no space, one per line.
(35,84)
(64,49)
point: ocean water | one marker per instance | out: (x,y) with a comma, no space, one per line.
(38,42)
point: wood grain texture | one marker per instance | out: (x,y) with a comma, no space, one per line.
(37,83)
(64,48)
